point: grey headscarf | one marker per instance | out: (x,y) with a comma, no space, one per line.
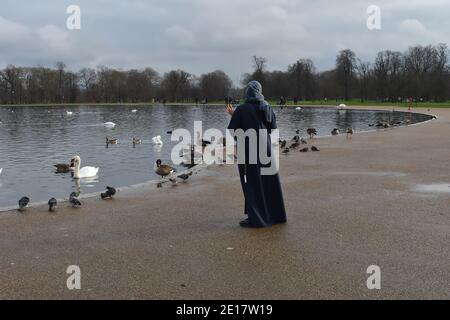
(253,93)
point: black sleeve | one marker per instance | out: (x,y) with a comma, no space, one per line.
(235,122)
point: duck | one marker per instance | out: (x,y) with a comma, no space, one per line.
(62,167)
(335,132)
(23,203)
(349,132)
(85,172)
(163,170)
(52,203)
(157,140)
(311,132)
(136,141)
(111,140)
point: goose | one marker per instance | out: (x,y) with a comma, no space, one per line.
(349,133)
(62,167)
(52,203)
(163,170)
(111,140)
(110,192)
(311,132)
(73,199)
(335,132)
(23,203)
(85,172)
(157,140)
(109,124)
(136,141)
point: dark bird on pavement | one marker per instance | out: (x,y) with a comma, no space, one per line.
(311,132)
(296,138)
(169,132)
(294,145)
(335,132)
(304,149)
(285,151)
(297,131)
(185,176)
(314,149)
(349,132)
(163,170)
(283,143)
(52,203)
(303,141)
(110,192)
(73,199)
(23,203)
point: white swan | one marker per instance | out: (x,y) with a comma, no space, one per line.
(134,110)
(69,113)
(157,140)
(1,170)
(298,108)
(342,106)
(109,124)
(85,172)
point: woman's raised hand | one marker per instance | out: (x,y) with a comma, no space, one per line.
(230,109)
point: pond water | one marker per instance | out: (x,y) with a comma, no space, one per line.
(33,139)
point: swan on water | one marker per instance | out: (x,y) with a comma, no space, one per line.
(342,106)
(157,140)
(298,108)
(85,172)
(69,113)
(134,110)
(1,170)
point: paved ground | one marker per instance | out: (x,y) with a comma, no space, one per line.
(352,205)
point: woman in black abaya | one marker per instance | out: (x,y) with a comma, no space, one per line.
(264,203)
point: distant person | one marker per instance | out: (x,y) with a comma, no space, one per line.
(282,102)
(264,204)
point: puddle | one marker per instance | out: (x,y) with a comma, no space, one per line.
(433,188)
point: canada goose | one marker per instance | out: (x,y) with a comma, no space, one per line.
(73,199)
(163,170)
(311,132)
(85,172)
(304,149)
(110,192)
(136,141)
(23,203)
(52,203)
(111,140)
(315,149)
(349,133)
(62,167)
(335,132)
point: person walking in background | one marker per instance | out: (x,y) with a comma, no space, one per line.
(264,204)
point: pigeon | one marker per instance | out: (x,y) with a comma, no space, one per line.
(335,132)
(23,203)
(311,132)
(294,145)
(283,143)
(304,149)
(286,151)
(185,176)
(52,203)
(110,192)
(297,131)
(296,138)
(73,199)
(303,141)
(314,149)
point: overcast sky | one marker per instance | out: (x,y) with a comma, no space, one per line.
(204,35)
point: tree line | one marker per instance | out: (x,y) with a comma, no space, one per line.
(421,73)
